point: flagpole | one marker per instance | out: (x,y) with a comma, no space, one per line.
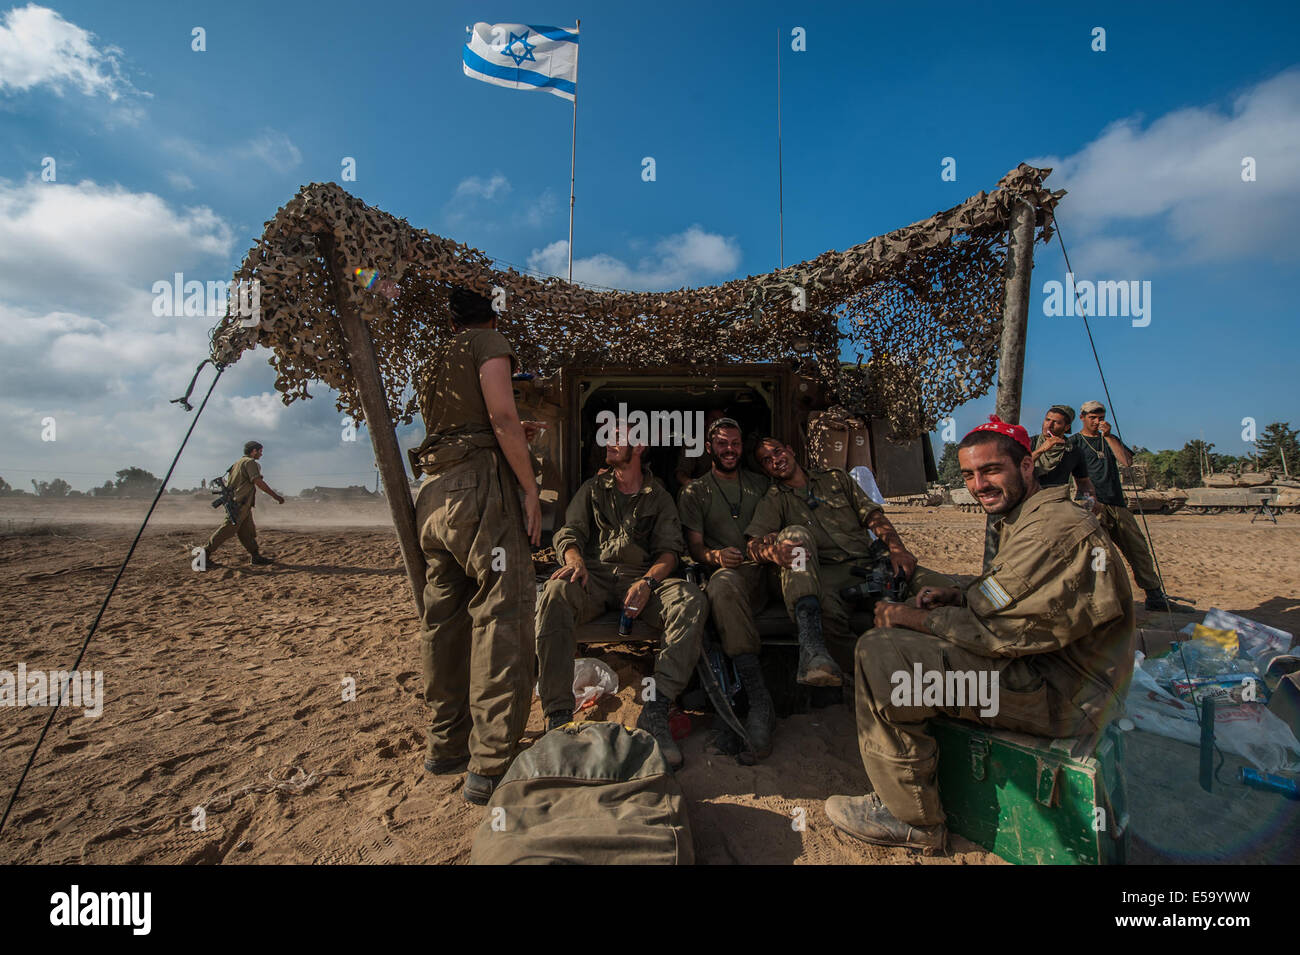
(573,151)
(780,184)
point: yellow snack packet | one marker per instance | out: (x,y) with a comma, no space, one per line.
(1224,638)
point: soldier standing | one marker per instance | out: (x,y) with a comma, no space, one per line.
(1057,458)
(1105,454)
(477,511)
(620,540)
(715,510)
(242,481)
(1053,619)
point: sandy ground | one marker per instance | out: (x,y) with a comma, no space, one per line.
(224,691)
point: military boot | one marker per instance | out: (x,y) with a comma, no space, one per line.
(866,818)
(816,666)
(1159,601)
(761,718)
(557,719)
(654,720)
(478,789)
(446,766)
(260,561)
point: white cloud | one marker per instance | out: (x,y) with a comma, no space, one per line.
(261,411)
(270,147)
(692,257)
(485,201)
(1181,175)
(180,182)
(87,247)
(40,48)
(476,187)
(273,148)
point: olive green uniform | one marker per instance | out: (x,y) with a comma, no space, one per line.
(828,517)
(720,510)
(1053,618)
(476,643)
(241,482)
(619,536)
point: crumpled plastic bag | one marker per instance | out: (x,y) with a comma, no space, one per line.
(591,680)
(1256,638)
(1249,730)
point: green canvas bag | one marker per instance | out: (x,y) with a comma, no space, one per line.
(589,793)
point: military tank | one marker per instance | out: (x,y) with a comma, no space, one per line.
(964,499)
(1243,493)
(1150,500)
(1287,500)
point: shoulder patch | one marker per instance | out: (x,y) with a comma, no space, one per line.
(994,593)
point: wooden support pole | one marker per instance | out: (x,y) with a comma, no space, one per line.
(1015,313)
(374,405)
(1015,321)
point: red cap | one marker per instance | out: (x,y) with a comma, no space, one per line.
(1013,431)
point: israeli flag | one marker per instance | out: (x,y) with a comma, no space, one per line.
(524,57)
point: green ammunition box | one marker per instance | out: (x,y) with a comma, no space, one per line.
(1031,799)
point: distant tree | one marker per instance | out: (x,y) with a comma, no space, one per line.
(56,488)
(105,490)
(5,488)
(136,482)
(1189,463)
(1276,441)
(949,470)
(1160,466)
(1229,462)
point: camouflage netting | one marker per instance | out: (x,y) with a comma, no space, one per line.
(921,307)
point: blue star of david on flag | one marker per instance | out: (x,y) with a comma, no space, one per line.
(520,58)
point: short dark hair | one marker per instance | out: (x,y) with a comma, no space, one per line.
(1065,411)
(251,446)
(1008,446)
(469,307)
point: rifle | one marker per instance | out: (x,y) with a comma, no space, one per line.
(224,499)
(880,582)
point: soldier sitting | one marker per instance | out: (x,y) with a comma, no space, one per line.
(813,524)
(620,540)
(1050,626)
(715,510)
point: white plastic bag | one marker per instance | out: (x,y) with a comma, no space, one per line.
(591,680)
(1249,730)
(1256,639)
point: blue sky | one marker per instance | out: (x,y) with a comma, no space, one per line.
(169,160)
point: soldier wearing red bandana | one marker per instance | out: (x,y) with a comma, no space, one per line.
(1050,625)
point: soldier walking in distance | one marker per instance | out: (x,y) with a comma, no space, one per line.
(1104,455)
(242,482)
(477,512)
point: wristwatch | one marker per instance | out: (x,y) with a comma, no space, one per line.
(651,583)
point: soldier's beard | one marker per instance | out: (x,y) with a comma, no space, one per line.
(718,463)
(1013,492)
